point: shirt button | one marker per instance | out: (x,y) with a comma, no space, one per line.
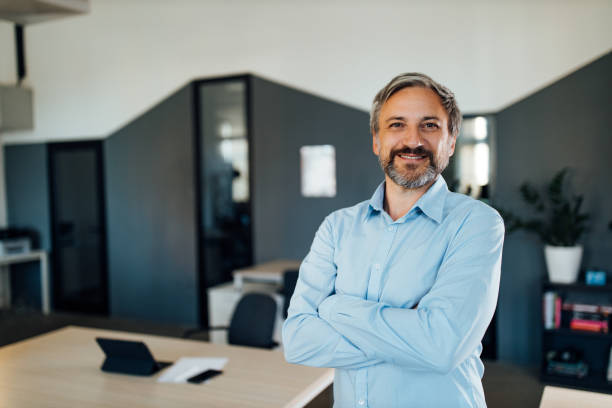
(376,266)
(361,402)
(390,229)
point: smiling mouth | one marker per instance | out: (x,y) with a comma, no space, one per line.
(412,157)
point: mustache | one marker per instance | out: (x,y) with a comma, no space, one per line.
(419,151)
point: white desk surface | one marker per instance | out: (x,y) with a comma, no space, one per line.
(557,397)
(268,271)
(62,369)
(25,257)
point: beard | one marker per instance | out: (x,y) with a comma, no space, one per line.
(413,176)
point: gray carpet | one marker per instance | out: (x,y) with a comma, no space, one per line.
(505,385)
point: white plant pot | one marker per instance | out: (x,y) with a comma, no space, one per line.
(563,263)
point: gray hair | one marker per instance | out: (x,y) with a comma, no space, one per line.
(417,79)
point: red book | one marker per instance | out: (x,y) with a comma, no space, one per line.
(557,312)
(588,325)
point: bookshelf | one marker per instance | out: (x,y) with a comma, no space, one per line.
(577,333)
(594,346)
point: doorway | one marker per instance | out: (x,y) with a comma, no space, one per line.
(78,227)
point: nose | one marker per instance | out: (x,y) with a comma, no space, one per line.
(412,138)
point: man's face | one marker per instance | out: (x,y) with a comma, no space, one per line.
(413,144)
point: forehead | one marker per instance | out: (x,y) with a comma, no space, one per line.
(414,102)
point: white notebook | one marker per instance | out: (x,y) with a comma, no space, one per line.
(187,367)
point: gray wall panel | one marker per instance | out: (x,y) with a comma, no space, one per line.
(151,215)
(565,124)
(27,195)
(285,119)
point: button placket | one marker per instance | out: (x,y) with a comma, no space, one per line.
(361,387)
(381,257)
(373,284)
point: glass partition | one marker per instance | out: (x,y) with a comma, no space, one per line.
(224,177)
(469,171)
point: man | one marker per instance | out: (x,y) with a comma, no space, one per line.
(397,292)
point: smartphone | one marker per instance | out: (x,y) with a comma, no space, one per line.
(203,376)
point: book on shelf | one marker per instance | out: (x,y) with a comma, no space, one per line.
(586,308)
(557,311)
(597,326)
(551,310)
(575,314)
(595,322)
(609,375)
(588,316)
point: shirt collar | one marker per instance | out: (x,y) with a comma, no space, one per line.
(431,203)
(376,202)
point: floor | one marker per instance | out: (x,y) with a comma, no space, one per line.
(505,385)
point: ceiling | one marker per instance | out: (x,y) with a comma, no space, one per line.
(93,74)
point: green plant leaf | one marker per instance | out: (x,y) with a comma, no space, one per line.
(555,188)
(563,223)
(530,194)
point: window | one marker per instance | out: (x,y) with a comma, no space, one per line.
(472,168)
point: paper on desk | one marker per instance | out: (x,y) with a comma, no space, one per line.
(187,367)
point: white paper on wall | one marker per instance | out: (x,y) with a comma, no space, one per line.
(318,171)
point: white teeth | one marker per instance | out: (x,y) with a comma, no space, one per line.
(411,157)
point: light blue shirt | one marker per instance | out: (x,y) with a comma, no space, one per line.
(399,307)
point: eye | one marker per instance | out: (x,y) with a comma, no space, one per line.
(431,126)
(396,124)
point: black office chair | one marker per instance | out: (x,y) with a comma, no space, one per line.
(252,322)
(290,278)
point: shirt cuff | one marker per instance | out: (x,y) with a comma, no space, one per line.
(326,308)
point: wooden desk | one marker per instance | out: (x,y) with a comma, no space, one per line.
(556,397)
(62,369)
(40,256)
(268,272)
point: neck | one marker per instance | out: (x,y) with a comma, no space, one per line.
(398,200)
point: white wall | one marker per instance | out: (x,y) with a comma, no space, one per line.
(92,74)
(8,67)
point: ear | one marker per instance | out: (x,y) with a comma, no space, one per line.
(452,142)
(375,143)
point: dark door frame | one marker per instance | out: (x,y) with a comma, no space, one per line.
(52,149)
(198,165)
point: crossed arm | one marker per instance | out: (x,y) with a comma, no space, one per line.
(307,338)
(333,330)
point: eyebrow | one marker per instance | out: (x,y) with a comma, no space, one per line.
(404,119)
(431,118)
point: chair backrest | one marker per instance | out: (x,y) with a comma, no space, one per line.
(253,320)
(290,278)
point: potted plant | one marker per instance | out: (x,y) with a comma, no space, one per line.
(559,223)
